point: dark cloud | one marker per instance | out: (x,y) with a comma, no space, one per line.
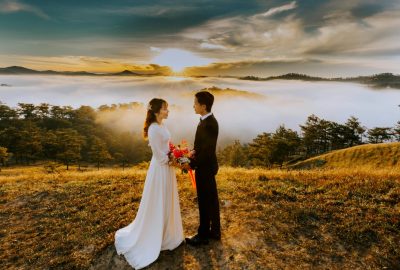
(366,10)
(228,31)
(122,18)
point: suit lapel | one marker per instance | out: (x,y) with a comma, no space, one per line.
(200,130)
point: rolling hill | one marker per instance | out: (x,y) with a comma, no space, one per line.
(384,155)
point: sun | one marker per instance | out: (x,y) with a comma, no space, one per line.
(179,59)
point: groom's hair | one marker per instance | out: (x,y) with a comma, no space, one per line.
(205,98)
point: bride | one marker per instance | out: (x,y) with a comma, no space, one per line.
(158,223)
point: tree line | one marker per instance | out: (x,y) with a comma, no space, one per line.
(29,133)
(317,136)
(44,132)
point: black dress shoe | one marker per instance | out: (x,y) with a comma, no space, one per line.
(197,240)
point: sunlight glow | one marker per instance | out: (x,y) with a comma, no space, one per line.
(179,59)
(176,79)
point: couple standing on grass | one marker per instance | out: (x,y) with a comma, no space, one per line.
(158,223)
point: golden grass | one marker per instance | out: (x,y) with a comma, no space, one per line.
(369,156)
(327,219)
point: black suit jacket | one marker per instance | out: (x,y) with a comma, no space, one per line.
(205,144)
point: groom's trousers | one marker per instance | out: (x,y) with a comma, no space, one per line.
(207,197)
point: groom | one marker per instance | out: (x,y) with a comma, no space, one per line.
(206,167)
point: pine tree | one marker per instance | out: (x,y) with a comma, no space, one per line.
(260,150)
(316,135)
(26,110)
(285,143)
(3,156)
(355,132)
(98,151)
(28,144)
(235,155)
(69,145)
(379,134)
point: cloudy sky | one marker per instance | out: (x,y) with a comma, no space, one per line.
(203,37)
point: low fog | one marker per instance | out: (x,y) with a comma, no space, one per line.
(244,110)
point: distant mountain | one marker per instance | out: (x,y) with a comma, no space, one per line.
(288,76)
(383,80)
(229,92)
(17,70)
(378,81)
(74,73)
(125,73)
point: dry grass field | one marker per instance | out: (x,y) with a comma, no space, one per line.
(271,219)
(383,155)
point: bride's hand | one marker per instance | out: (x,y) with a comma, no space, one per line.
(173,163)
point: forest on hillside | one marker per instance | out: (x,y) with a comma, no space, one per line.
(31,133)
(378,81)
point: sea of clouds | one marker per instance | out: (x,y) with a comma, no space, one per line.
(254,108)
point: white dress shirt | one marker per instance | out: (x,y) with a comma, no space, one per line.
(206,115)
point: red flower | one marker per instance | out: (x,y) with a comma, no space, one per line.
(177,153)
(171,146)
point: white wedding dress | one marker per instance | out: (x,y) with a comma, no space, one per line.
(158,222)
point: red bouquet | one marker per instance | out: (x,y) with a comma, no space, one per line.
(181,155)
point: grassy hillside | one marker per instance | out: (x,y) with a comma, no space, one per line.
(271,219)
(384,155)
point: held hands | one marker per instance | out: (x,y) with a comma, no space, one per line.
(186,167)
(182,161)
(176,164)
(172,162)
